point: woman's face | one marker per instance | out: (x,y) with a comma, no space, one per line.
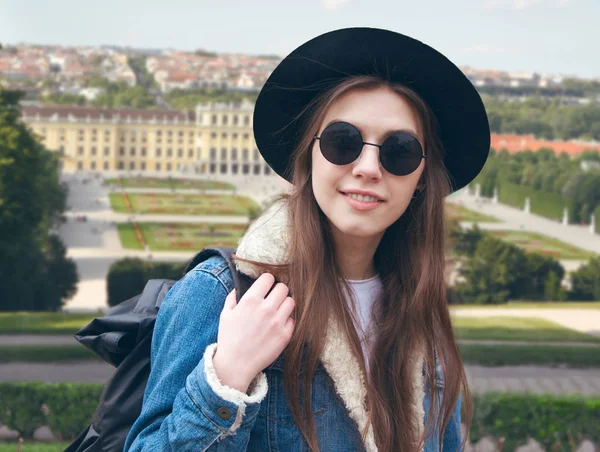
(375,112)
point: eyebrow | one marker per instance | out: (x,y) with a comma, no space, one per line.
(385,135)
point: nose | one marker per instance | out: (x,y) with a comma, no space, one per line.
(368,164)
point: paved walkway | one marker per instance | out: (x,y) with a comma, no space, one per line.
(515,219)
(582,320)
(482,379)
(67,339)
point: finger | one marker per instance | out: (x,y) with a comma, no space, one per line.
(277,295)
(230,301)
(285,309)
(260,288)
(289,326)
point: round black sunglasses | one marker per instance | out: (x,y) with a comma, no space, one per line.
(400,153)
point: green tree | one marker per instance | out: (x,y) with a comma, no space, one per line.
(36,275)
(585,281)
(492,273)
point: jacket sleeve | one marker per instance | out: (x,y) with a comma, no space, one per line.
(185,406)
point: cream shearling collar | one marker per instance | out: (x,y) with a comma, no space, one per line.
(265,241)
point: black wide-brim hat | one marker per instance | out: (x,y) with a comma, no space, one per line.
(326,60)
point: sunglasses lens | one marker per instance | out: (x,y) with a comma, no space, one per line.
(341,143)
(401,154)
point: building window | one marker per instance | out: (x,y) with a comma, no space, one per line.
(245,155)
(79,165)
(61,150)
(169,133)
(223,168)
(157,166)
(169,152)
(122,139)
(213,168)
(213,135)
(267,170)
(62,138)
(213,120)
(80,137)
(106,151)
(121,150)
(143,152)
(245,168)
(235,120)
(158,152)
(256,170)
(246,120)
(181,133)
(79,150)
(256,157)
(105,165)
(234,168)
(224,135)
(159,133)
(213,154)
(131,165)
(223,154)
(93,165)
(190,153)
(225,120)
(132,152)
(179,152)
(143,166)
(93,150)
(121,165)
(168,167)
(234,154)
(234,136)
(106,132)
(246,136)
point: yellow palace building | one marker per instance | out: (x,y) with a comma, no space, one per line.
(214,139)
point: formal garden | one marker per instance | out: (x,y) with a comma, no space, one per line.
(172,183)
(182,204)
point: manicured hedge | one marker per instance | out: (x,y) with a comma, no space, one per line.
(550,205)
(127,277)
(546,418)
(67,408)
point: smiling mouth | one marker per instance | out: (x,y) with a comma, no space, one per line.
(362,198)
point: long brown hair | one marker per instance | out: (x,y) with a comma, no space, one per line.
(413,317)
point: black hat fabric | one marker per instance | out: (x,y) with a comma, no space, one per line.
(326,60)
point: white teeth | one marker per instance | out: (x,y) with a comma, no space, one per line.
(362,198)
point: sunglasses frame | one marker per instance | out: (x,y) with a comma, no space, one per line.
(423,155)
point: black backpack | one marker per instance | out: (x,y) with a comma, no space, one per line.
(122,338)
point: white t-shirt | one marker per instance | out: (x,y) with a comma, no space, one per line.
(366,291)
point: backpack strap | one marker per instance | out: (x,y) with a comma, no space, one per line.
(241,281)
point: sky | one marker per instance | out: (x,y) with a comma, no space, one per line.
(554,37)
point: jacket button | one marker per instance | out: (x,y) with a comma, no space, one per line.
(224,413)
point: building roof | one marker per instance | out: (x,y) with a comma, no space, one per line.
(100,113)
(519,143)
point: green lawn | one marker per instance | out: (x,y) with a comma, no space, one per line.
(31,446)
(516,329)
(460,213)
(156,182)
(538,243)
(534,305)
(181,236)
(540,355)
(45,353)
(43,322)
(184,204)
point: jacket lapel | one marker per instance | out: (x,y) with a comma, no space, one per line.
(265,241)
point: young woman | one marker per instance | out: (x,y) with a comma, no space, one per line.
(344,341)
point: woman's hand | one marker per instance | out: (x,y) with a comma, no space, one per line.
(253,332)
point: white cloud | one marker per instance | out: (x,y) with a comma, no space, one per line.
(519,5)
(332,5)
(485,48)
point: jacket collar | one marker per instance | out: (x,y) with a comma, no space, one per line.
(265,241)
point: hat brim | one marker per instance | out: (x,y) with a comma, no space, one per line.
(324,61)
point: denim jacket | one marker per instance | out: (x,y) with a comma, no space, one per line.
(186,408)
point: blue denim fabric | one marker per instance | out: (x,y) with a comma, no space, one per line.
(181,410)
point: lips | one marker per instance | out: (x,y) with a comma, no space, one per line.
(363,193)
